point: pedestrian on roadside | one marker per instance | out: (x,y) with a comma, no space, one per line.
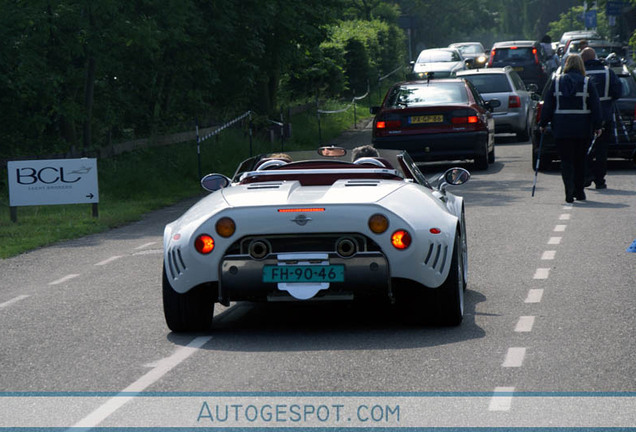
(573,108)
(609,88)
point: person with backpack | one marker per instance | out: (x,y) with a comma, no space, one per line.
(573,108)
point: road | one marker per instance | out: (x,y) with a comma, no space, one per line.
(550,308)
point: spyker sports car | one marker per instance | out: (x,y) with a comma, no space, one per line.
(315,225)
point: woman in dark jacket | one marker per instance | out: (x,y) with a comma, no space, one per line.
(572,106)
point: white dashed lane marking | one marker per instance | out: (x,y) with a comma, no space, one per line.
(565,216)
(525,324)
(541,273)
(12,301)
(548,255)
(502,399)
(514,357)
(554,241)
(108,260)
(560,228)
(145,245)
(534,296)
(64,279)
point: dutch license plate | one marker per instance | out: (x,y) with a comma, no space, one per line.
(518,69)
(427,119)
(303,273)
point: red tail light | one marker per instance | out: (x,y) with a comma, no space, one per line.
(514,101)
(492,57)
(204,244)
(538,112)
(536,57)
(401,239)
(464,120)
(388,124)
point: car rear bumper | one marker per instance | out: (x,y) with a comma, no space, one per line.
(437,147)
(241,278)
(509,122)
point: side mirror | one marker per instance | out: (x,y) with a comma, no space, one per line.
(456,176)
(215,182)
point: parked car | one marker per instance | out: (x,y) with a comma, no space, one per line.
(315,225)
(437,120)
(514,115)
(438,63)
(527,58)
(474,51)
(622,146)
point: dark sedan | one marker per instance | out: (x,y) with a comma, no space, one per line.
(437,120)
(623,143)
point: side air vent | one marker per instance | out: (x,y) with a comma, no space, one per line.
(362,183)
(268,185)
(175,262)
(436,256)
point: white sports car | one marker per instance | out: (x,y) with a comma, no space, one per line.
(315,225)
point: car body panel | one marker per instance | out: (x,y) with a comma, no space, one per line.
(305,221)
(442,62)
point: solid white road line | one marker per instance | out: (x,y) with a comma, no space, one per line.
(162,367)
(13,300)
(548,255)
(554,241)
(108,260)
(560,228)
(534,296)
(64,279)
(541,273)
(514,357)
(503,402)
(525,324)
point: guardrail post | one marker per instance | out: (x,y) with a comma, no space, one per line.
(13,211)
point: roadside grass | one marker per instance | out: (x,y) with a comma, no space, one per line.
(136,183)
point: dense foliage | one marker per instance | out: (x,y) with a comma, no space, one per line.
(80,74)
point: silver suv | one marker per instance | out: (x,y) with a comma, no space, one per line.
(515,113)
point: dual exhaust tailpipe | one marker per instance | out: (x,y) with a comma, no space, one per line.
(260,248)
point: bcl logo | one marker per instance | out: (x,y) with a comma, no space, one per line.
(48,175)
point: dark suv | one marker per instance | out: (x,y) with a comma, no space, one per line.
(526,57)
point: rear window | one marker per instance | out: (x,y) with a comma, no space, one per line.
(629,86)
(512,54)
(427,94)
(490,83)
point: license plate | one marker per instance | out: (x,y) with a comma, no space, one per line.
(518,69)
(303,273)
(427,119)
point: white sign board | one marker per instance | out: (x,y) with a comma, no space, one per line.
(57,181)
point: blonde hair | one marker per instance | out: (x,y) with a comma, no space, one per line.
(574,62)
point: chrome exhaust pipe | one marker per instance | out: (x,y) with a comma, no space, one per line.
(259,249)
(346,247)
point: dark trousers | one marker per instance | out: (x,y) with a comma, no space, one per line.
(597,161)
(573,152)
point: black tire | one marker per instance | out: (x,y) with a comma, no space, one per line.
(491,156)
(524,135)
(481,161)
(188,312)
(448,299)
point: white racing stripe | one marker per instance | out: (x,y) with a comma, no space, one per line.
(162,367)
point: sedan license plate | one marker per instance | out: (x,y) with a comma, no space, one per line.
(303,273)
(427,119)
(518,69)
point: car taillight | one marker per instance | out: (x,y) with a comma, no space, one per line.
(538,112)
(492,58)
(536,57)
(514,101)
(388,124)
(465,116)
(464,120)
(401,239)
(204,244)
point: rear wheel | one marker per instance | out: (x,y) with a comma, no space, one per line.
(481,161)
(188,312)
(524,135)
(448,299)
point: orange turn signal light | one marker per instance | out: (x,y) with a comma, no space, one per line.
(225,227)
(378,223)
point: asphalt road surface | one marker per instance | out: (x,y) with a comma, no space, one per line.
(550,314)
